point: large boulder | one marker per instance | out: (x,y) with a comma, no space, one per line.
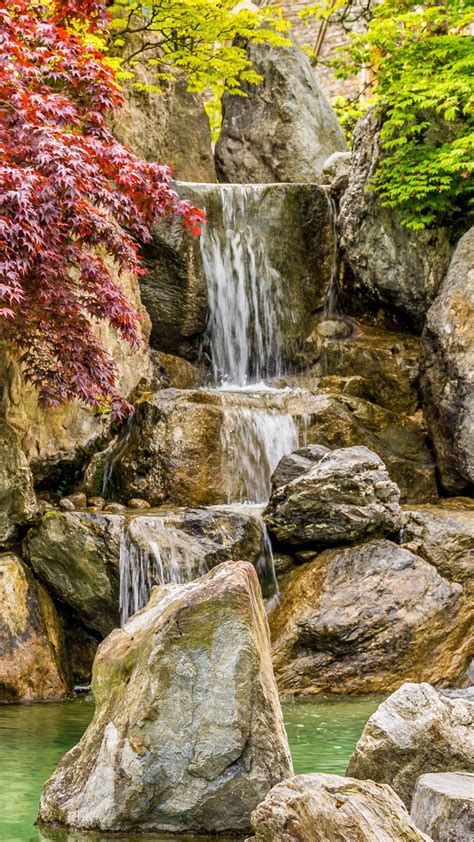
(325,808)
(284,129)
(31,644)
(443,806)
(17,497)
(448,372)
(415,731)
(299,462)
(391,267)
(366,618)
(346,496)
(188,733)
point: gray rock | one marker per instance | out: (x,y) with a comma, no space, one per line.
(443,806)
(448,372)
(393,268)
(345,496)
(284,129)
(325,808)
(188,733)
(297,463)
(415,731)
(336,171)
(364,619)
(17,497)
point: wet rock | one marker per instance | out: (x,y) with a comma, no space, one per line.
(448,366)
(78,500)
(297,463)
(323,808)
(284,129)
(366,618)
(336,171)
(17,497)
(415,731)
(171,372)
(66,504)
(170,127)
(97,502)
(443,806)
(31,644)
(346,496)
(400,441)
(186,703)
(77,556)
(115,509)
(138,503)
(444,536)
(391,267)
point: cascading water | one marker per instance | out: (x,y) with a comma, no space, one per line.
(245,293)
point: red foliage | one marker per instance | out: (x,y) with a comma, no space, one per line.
(70,195)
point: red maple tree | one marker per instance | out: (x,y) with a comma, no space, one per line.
(70,197)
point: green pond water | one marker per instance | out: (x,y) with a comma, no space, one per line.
(33,738)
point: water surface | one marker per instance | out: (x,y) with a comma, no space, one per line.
(33,738)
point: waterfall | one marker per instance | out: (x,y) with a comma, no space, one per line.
(333,290)
(245,293)
(253,442)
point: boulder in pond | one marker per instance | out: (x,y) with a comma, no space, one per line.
(345,496)
(188,733)
(324,808)
(284,129)
(414,732)
(448,371)
(443,806)
(17,497)
(366,618)
(31,643)
(391,267)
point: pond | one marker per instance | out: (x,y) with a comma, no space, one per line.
(322,733)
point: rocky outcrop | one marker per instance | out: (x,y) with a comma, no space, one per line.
(55,441)
(443,806)
(17,497)
(330,633)
(415,731)
(77,556)
(444,536)
(390,266)
(188,733)
(346,496)
(170,127)
(323,808)
(448,366)
(31,645)
(284,129)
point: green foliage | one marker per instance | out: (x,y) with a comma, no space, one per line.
(422,58)
(202,39)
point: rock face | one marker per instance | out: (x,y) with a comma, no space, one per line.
(297,463)
(346,496)
(171,128)
(444,536)
(31,646)
(323,808)
(393,268)
(17,497)
(443,806)
(415,731)
(284,129)
(188,732)
(331,634)
(448,372)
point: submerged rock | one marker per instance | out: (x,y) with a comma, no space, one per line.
(31,644)
(284,129)
(448,371)
(392,267)
(188,732)
(325,808)
(366,618)
(17,497)
(345,496)
(415,731)
(443,806)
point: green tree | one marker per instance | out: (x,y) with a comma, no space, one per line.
(422,61)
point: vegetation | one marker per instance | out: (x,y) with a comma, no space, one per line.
(419,62)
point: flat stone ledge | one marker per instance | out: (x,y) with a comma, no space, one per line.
(443,806)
